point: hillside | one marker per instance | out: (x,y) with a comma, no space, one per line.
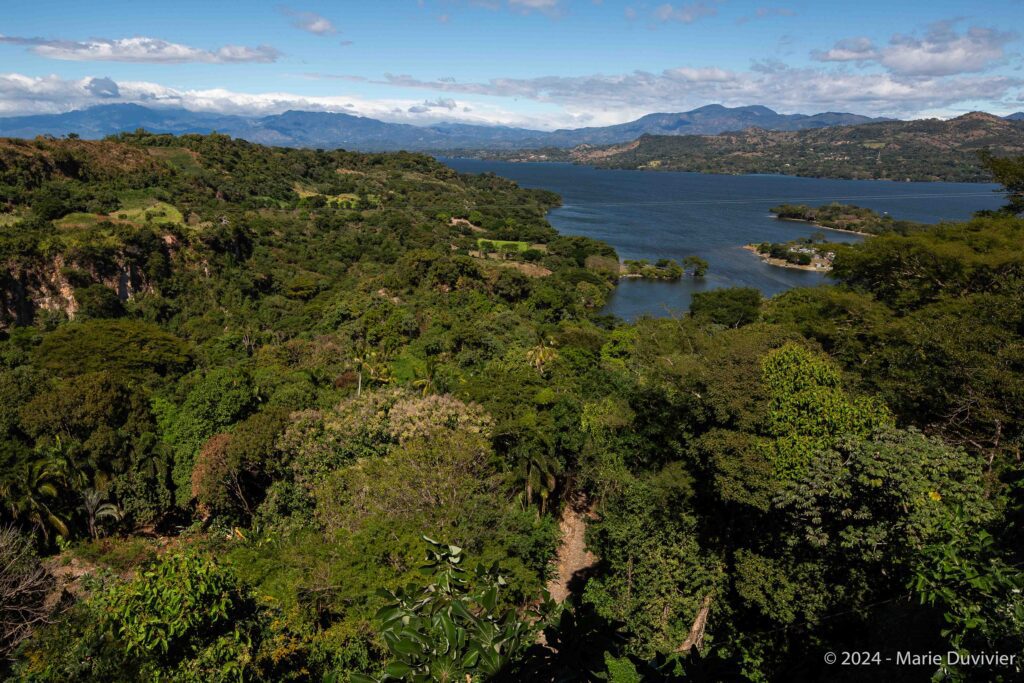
(896,150)
(707,120)
(273,414)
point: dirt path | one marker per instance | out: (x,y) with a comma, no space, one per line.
(573,558)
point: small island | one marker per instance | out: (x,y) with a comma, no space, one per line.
(809,253)
(663,269)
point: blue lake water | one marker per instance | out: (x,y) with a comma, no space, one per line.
(656,215)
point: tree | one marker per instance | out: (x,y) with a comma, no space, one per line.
(25,587)
(1008,172)
(451,629)
(184,617)
(33,495)
(981,595)
(98,301)
(698,265)
(542,354)
(96,506)
(732,307)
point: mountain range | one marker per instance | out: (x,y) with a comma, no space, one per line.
(339,130)
(926,149)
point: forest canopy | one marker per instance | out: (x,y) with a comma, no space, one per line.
(276,414)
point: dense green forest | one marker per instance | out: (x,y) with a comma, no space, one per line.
(277,415)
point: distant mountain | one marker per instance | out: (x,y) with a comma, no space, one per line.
(333,130)
(1019,116)
(928,149)
(107,119)
(709,120)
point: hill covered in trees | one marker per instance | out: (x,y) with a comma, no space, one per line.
(265,411)
(891,150)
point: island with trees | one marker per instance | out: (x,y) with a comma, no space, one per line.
(810,253)
(846,218)
(249,434)
(664,269)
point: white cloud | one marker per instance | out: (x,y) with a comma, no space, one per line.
(858,49)
(20,95)
(619,97)
(310,22)
(599,99)
(687,13)
(140,49)
(941,52)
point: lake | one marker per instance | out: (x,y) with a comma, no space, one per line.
(654,215)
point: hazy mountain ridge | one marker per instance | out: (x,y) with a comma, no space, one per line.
(929,149)
(333,130)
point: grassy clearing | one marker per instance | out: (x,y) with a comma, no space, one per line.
(156,212)
(136,210)
(499,245)
(80,220)
(345,200)
(9,219)
(180,158)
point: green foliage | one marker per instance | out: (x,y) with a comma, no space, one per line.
(1008,172)
(451,628)
(304,348)
(846,217)
(182,618)
(126,346)
(217,400)
(733,307)
(980,594)
(808,411)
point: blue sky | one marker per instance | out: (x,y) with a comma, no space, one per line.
(537,63)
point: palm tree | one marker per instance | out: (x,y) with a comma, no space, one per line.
(97,507)
(29,495)
(368,362)
(541,477)
(426,380)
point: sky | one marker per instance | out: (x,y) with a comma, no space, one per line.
(541,64)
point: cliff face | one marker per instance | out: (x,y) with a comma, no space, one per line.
(26,290)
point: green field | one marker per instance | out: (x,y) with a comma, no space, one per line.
(135,208)
(498,244)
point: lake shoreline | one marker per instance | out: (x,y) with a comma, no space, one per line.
(672,215)
(824,227)
(781,263)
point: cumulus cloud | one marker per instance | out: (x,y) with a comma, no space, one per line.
(310,22)
(103,87)
(140,49)
(21,94)
(942,51)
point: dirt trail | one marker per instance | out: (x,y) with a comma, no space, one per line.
(573,558)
